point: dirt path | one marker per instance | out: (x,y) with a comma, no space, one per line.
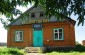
(35,54)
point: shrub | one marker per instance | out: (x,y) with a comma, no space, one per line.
(11,51)
(79,48)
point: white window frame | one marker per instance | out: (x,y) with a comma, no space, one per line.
(17,36)
(58,33)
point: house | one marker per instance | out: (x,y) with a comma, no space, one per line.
(3,44)
(39,30)
(83,42)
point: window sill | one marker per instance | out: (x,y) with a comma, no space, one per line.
(18,41)
(58,39)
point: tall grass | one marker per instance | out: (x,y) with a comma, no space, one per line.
(10,51)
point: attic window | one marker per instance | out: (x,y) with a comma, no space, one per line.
(32,15)
(41,14)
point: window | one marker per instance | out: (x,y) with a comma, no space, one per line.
(32,15)
(58,34)
(19,36)
(41,14)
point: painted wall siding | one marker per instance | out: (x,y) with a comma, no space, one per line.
(26,19)
(69,35)
(37,11)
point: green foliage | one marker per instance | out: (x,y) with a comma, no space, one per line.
(66,8)
(10,51)
(79,48)
(59,8)
(77,43)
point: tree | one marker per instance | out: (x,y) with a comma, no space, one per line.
(58,8)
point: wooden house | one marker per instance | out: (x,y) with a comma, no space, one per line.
(39,30)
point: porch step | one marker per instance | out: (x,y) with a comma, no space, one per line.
(34,49)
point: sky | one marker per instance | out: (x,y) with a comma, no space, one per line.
(79,30)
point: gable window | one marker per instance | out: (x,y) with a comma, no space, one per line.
(41,14)
(58,34)
(32,15)
(19,36)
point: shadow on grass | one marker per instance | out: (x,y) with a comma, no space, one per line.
(78,48)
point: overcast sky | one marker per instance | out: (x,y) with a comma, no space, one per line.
(79,30)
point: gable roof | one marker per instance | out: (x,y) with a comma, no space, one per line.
(68,19)
(20,15)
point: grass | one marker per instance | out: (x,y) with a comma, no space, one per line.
(66,53)
(78,50)
(10,51)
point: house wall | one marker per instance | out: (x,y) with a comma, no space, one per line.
(37,11)
(28,19)
(26,36)
(69,35)
(83,42)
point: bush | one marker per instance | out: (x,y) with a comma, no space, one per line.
(79,48)
(10,51)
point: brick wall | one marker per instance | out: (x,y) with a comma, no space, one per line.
(83,42)
(69,35)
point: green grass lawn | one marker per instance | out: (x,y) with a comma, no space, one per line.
(79,50)
(10,51)
(66,53)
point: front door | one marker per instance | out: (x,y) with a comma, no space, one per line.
(37,38)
